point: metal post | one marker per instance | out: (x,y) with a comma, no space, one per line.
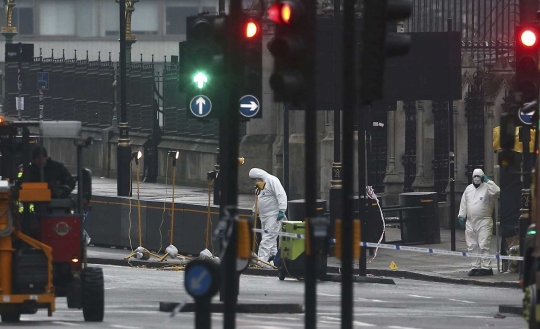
(310,132)
(19,80)
(349,115)
(229,139)
(79,180)
(451,160)
(286,135)
(221,6)
(524,138)
(123,152)
(41,108)
(335,183)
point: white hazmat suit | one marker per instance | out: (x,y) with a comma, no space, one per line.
(271,201)
(477,204)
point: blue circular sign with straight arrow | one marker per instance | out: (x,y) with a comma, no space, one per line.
(249,106)
(200,106)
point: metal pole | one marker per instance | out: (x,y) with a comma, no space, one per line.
(451,158)
(79,180)
(349,114)
(19,80)
(229,163)
(310,132)
(286,135)
(221,6)
(335,183)
(524,138)
(123,152)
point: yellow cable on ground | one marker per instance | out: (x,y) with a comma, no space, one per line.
(164,208)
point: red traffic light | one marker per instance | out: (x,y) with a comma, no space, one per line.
(528,38)
(251,29)
(285,12)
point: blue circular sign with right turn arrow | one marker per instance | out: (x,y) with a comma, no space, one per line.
(249,106)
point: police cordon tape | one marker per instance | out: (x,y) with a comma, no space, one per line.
(405,248)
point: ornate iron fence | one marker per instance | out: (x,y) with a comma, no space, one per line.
(474,112)
(409,158)
(441,147)
(84,90)
(486,26)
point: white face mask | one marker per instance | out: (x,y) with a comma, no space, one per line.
(477,180)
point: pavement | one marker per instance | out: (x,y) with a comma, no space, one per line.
(133,297)
(410,265)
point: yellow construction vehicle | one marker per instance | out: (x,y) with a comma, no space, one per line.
(43,252)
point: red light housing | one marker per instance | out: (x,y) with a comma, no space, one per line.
(528,38)
(286,12)
(274,13)
(252,29)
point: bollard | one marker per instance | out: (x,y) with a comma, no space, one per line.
(202,281)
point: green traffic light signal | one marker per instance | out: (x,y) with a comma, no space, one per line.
(200,79)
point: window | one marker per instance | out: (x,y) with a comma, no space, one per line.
(87,18)
(145,18)
(110,19)
(57,17)
(175,17)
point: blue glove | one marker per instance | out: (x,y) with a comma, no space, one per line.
(252,217)
(461,222)
(485,178)
(280,215)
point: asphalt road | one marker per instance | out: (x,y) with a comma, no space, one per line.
(133,296)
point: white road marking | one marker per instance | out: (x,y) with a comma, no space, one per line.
(356,323)
(66,323)
(328,295)
(417,296)
(124,327)
(108,288)
(398,327)
(462,301)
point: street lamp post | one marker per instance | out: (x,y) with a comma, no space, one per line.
(123,152)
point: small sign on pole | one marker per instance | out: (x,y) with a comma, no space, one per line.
(20,103)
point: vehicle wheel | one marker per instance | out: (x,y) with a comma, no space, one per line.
(93,294)
(281,273)
(11,317)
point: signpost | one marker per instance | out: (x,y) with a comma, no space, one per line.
(202,281)
(249,106)
(200,106)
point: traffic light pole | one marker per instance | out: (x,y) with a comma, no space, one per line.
(123,153)
(229,135)
(309,30)
(451,160)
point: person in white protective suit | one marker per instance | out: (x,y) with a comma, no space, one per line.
(272,204)
(477,205)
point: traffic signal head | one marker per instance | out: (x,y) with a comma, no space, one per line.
(288,47)
(379,44)
(527,60)
(252,58)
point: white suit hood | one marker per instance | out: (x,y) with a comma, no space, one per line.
(478,172)
(272,198)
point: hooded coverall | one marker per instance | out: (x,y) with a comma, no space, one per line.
(477,204)
(271,201)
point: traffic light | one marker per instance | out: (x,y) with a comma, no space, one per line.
(378,43)
(203,70)
(252,62)
(288,47)
(527,59)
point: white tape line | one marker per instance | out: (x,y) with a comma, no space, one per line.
(404,248)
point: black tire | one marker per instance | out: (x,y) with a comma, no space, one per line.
(11,317)
(93,294)
(282,273)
